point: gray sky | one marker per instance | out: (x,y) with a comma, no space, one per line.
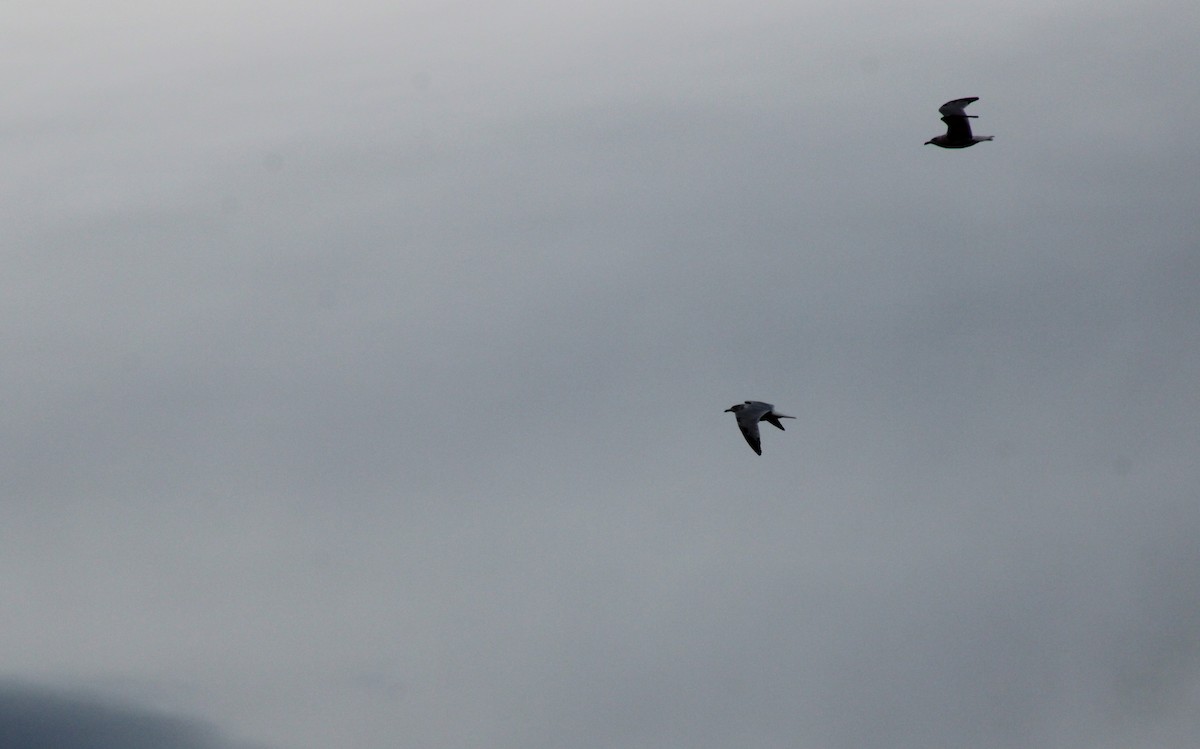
(365,373)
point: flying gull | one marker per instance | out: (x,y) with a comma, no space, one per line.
(749,414)
(958,129)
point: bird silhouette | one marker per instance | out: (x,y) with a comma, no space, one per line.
(958,126)
(749,414)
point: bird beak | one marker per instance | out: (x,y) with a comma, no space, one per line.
(728,410)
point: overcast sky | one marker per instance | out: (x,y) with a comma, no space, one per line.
(364,374)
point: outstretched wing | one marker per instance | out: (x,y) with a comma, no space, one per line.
(957,107)
(750,432)
(958,128)
(748,418)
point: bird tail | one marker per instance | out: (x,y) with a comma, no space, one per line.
(985,137)
(773,419)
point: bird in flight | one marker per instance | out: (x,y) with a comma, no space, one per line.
(749,414)
(958,129)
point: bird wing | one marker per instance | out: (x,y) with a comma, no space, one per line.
(958,128)
(772,419)
(750,432)
(957,107)
(756,409)
(748,419)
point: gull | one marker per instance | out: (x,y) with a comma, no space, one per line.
(958,130)
(749,414)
